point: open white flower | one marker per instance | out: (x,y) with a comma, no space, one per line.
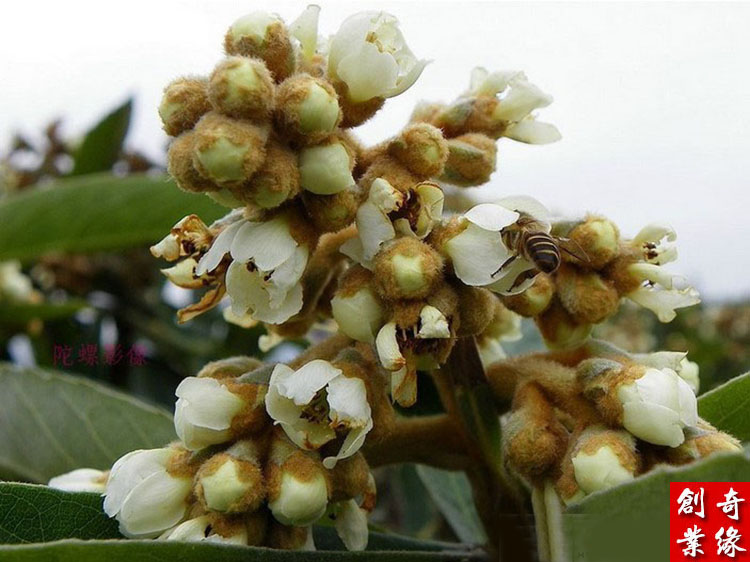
(204,412)
(369,54)
(263,279)
(402,352)
(201,529)
(317,403)
(514,110)
(384,214)
(657,406)
(660,291)
(478,252)
(144,496)
(80,480)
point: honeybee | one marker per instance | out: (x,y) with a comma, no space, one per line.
(528,238)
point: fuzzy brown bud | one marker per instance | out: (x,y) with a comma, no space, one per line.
(228,151)
(471,160)
(275,182)
(241,87)
(598,239)
(534,300)
(422,149)
(264,36)
(559,329)
(307,109)
(180,165)
(407,269)
(184,102)
(585,295)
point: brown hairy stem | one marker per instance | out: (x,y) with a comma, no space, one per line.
(432,440)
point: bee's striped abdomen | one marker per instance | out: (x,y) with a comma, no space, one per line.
(541,249)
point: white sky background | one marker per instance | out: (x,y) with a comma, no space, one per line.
(653,100)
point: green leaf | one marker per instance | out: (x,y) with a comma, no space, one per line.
(96,213)
(728,407)
(451,491)
(167,551)
(51,423)
(34,514)
(30,513)
(21,313)
(631,521)
(103,143)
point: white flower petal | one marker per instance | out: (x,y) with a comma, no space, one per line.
(305,30)
(268,244)
(374,228)
(388,349)
(476,254)
(154,505)
(432,324)
(531,131)
(347,399)
(128,471)
(218,249)
(359,316)
(351,525)
(368,73)
(302,385)
(523,98)
(80,480)
(491,217)
(286,276)
(526,204)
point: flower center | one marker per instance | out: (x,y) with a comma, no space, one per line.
(317,409)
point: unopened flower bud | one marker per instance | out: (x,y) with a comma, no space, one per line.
(147,490)
(275,182)
(331,213)
(421,148)
(534,440)
(180,165)
(588,297)
(603,458)
(653,404)
(210,411)
(407,269)
(228,151)
(356,307)
(307,109)
(471,160)
(241,87)
(477,308)
(326,168)
(264,36)
(534,300)
(598,239)
(297,485)
(232,481)
(81,480)
(559,329)
(184,102)
(390,170)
